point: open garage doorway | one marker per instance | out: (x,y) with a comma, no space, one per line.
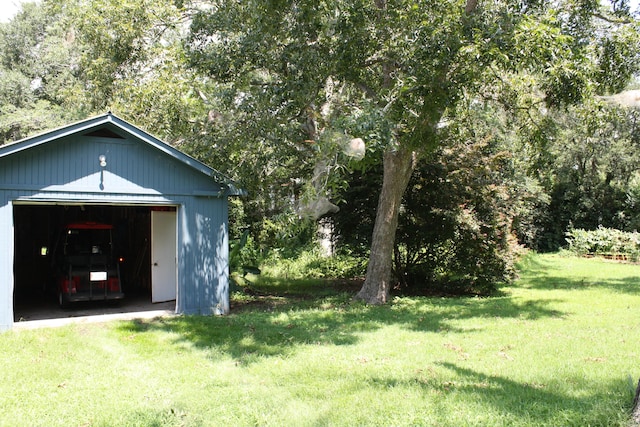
(38,236)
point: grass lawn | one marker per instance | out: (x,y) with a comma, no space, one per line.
(559,348)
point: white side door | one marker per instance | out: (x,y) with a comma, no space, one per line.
(164,247)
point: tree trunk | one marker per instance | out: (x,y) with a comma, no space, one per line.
(399,164)
(398,167)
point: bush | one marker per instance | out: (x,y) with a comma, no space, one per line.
(455,224)
(454,235)
(474,258)
(312,263)
(604,242)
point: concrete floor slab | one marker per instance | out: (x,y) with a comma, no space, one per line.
(48,315)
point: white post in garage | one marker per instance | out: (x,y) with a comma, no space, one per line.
(164,249)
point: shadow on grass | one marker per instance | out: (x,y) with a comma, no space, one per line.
(580,274)
(529,403)
(148,418)
(276,325)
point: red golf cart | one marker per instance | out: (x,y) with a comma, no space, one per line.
(87,268)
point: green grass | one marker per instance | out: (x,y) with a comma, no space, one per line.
(557,349)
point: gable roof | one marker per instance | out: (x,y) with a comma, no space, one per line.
(111,121)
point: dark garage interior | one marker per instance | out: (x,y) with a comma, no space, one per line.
(37,233)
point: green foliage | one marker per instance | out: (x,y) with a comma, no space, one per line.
(286,246)
(116,40)
(312,263)
(77,58)
(454,232)
(17,123)
(618,59)
(462,208)
(589,173)
(604,241)
(286,234)
(236,254)
(38,75)
(353,224)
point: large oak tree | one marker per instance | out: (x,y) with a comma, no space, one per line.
(407,63)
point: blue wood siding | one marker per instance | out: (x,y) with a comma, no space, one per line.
(67,170)
(72,165)
(203,271)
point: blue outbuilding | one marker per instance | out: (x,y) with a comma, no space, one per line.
(169,214)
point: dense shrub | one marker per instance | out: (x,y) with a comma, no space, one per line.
(604,241)
(312,263)
(453,235)
(454,231)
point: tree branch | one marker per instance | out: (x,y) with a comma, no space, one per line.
(613,20)
(471,6)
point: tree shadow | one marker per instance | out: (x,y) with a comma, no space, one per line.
(529,403)
(279,325)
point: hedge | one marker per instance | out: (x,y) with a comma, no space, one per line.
(603,241)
